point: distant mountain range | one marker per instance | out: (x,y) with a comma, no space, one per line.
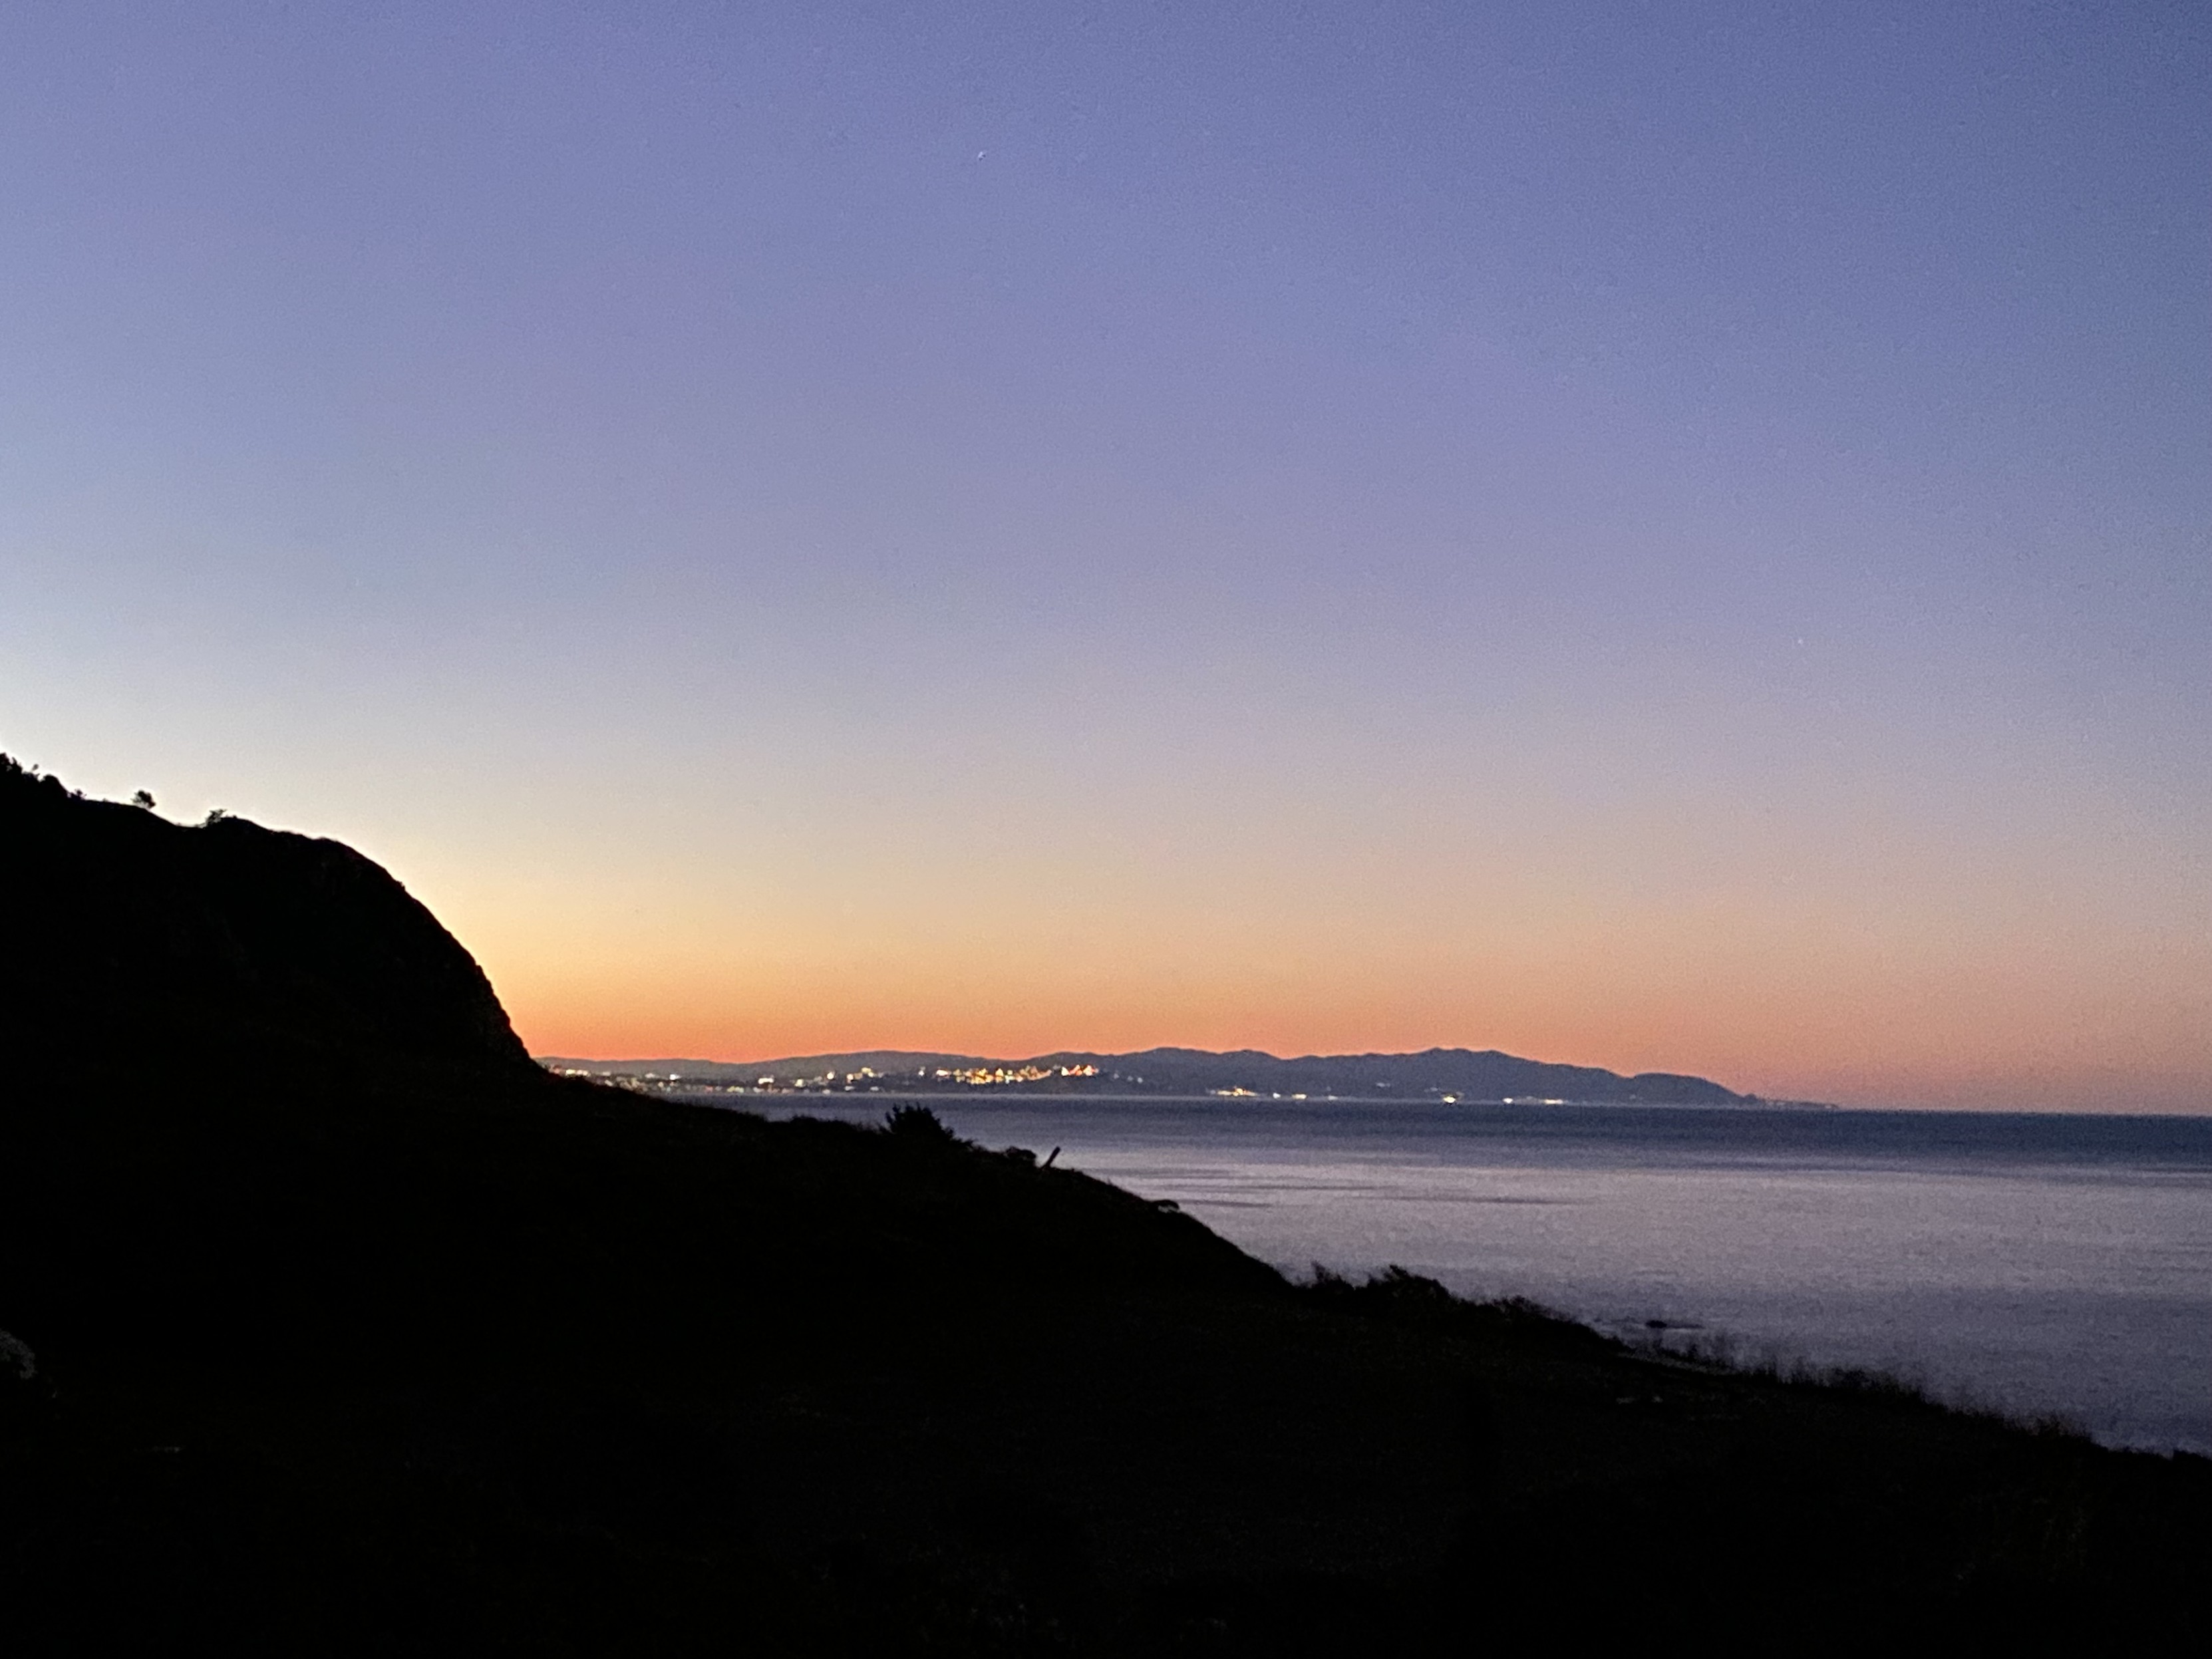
(1432,1074)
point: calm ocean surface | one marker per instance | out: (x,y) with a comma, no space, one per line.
(2039,1263)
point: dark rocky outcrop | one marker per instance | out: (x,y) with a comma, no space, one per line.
(132,940)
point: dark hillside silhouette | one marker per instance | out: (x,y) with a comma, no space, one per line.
(409,1347)
(133,939)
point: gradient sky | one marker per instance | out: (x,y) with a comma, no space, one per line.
(1655,536)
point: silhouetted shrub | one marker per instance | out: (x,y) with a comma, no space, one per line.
(919,1124)
(14,773)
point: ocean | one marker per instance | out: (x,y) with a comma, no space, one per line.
(2043,1265)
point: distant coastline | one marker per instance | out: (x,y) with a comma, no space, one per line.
(1448,1076)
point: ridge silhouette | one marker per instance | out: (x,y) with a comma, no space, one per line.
(397,1344)
(137,940)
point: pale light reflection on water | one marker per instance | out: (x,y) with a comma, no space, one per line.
(2041,1264)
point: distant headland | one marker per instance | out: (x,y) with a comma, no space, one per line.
(1447,1075)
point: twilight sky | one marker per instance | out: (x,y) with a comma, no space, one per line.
(1655,535)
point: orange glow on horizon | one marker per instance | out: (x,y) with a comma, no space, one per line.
(1864,979)
(1868,1045)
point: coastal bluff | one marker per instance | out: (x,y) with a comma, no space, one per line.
(329,1323)
(134,940)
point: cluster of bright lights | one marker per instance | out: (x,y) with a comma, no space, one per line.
(987,1077)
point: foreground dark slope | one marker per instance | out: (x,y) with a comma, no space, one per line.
(410,1348)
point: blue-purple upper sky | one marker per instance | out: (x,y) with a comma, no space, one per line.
(1643,534)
